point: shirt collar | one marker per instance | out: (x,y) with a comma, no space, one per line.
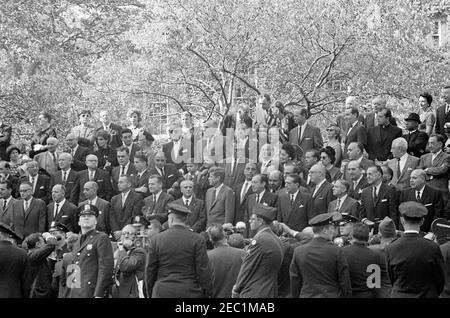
(378,187)
(437,153)
(404,157)
(219,187)
(94,201)
(421,190)
(411,231)
(320,184)
(357,181)
(262,193)
(62,202)
(343,198)
(294,194)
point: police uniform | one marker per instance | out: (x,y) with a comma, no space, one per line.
(90,274)
(258,276)
(415,264)
(319,269)
(177,262)
(345,219)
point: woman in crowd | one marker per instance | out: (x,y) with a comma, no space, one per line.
(288,154)
(427,116)
(44,130)
(328,158)
(145,141)
(267,158)
(334,141)
(135,118)
(107,157)
(85,133)
(16,161)
(275,115)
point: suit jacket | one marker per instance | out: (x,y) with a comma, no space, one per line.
(123,213)
(369,121)
(258,276)
(42,189)
(6,215)
(235,177)
(70,184)
(268,198)
(415,267)
(437,174)
(197,220)
(240,202)
(171,174)
(321,199)
(177,265)
(355,192)
(350,206)
(67,215)
(365,163)
(226,262)
(32,220)
(103,180)
(161,204)
(384,205)
(417,142)
(311,138)
(319,269)
(94,258)
(103,219)
(115,174)
(141,181)
(46,162)
(79,158)
(15,186)
(441,118)
(184,153)
(134,148)
(379,141)
(296,216)
(445,250)
(215,150)
(402,182)
(220,210)
(356,134)
(130,267)
(431,199)
(14,271)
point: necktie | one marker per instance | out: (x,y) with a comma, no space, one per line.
(399,171)
(56,209)
(91,175)
(123,199)
(418,196)
(257,198)
(299,133)
(187,202)
(154,198)
(123,171)
(338,205)
(64,177)
(244,191)
(26,205)
(292,199)
(374,194)
(55,160)
(4,204)
(32,183)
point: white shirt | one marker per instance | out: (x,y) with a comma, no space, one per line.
(378,188)
(340,201)
(176,148)
(126,168)
(74,150)
(318,187)
(403,162)
(60,204)
(245,187)
(160,171)
(355,183)
(7,201)
(67,174)
(260,195)
(265,164)
(433,156)
(156,196)
(186,199)
(141,173)
(33,183)
(302,130)
(129,147)
(91,172)
(410,231)
(351,127)
(25,203)
(360,159)
(125,196)
(420,192)
(93,201)
(218,189)
(293,196)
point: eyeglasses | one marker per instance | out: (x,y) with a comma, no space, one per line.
(170,131)
(323,157)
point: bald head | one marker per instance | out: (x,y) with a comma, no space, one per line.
(275,180)
(52,144)
(317,173)
(417,179)
(92,162)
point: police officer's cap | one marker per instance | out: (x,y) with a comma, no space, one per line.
(178,209)
(87,209)
(160,217)
(323,219)
(265,211)
(4,228)
(348,218)
(413,210)
(56,226)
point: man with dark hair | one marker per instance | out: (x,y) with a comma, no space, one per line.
(443,112)
(127,139)
(371,120)
(311,158)
(377,201)
(140,178)
(168,171)
(177,261)
(305,135)
(258,276)
(219,200)
(40,182)
(319,268)
(61,210)
(380,137)
(242,191)
(225,261)
(5,168)
(357,178)
(343,203)
(125,167)
(417,140)
(156,202)
(6,203)
(294,207)
(357,132)
(415,264)
(66,176)
(175,149)
(78,153)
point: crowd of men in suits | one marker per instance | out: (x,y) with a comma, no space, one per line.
(245,207)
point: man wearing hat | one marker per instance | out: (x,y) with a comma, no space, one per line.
(346,222)
(417,140)
(258,276)
(91,271)
(14,266)
(319,268)
(415,264)
(177,262)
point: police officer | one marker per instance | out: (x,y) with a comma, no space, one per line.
(258,276)
(415,264)
(346,223)
(90,274)
(319,268)
(177,262)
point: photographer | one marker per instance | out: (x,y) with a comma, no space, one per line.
(129,266)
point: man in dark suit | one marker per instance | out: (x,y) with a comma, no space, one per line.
(415,264)
(234,117)
(92,173)
(275,181)
(40,182)
(305,135)
(61,210)
(5,138)
(258,276)
(322,194)
(197,219)
(319,268)
(66,176)
(357,178)
(90,189)
(7,203)
(436,165)
(125,167)
(114,130)
(417,140)
(219,199)
(140,178)
(168,171)
(175,149)
(225,261)
(293,206)
(242,191)
(124,206)
(14,266)
(443,112)
(234,171)
(15,182)
(93,257)
(377,201)
(357,132)
(343,203)
(402,164)
(380,137)
(29,214)
(127,139)
(371,119)
(156,202)
(78,153)
(422,193)
(178,247)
